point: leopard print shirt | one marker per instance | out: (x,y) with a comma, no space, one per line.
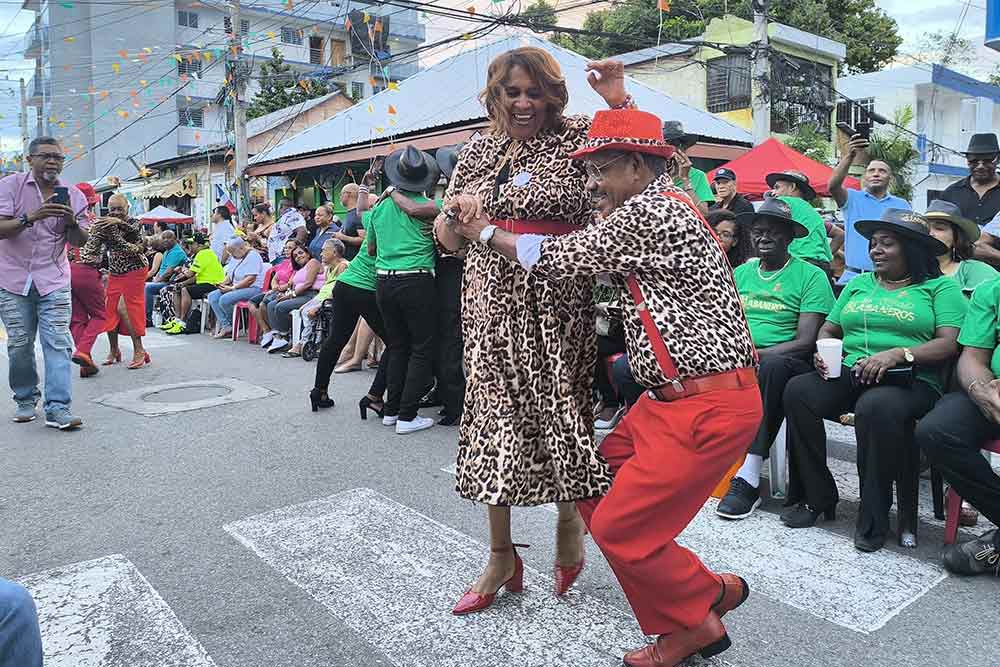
(683,275)
(527,432)
(122,244)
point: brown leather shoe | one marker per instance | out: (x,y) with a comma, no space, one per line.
(709,638)
(735,592)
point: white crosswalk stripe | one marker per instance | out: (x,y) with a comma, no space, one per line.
(391,574)
(103,613)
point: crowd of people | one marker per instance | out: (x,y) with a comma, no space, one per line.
(716,322)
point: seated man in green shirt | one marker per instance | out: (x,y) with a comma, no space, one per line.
(692,180)
(196,281)
(403,248)
(785,300)
(952,433)
(794,188)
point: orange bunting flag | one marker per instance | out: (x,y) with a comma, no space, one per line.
(116,67)
(123,114)
(134,93)
(104,94)
(288,4)
(378,25)
(393,85)
(347,24)
(372,81)
(304,84)
(471,10)
(392,109)
(124,54)
(664,5)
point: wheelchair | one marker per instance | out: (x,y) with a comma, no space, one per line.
(321,329)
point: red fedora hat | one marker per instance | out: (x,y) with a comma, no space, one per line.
(625,130)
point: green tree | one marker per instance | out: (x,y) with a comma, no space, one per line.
(811,142)
(895,147)
(540,15)
(994,77)
(871,36)
(281,86)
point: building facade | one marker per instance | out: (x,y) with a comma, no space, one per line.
(948,108)
(146,82)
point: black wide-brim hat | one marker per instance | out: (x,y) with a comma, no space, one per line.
(674,134)
(906,224)
(984,143)
(800,180)
(447,158)
(411,169)
(775,209)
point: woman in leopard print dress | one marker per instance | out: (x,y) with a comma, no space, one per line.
(527,432)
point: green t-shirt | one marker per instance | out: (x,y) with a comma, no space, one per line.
(875,319)
(404,243)
(207,269)
(971,274)
(361,272)
(815,246)
(982,328)
(772,300)
(699,183)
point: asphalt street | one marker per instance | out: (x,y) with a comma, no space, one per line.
(231,526)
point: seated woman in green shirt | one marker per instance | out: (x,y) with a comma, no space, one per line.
(959,234)
(899,327)
(785,300)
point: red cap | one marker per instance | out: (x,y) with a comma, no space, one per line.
(88,191)
(625,130)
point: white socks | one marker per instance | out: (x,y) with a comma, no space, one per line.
(751,469)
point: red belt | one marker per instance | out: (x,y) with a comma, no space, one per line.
(742,377)
(545,227)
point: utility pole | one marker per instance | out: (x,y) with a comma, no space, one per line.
(24,126)
(235,70)
(761,84)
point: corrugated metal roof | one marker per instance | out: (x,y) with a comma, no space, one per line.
(653,52)
(448,93)
(276,118)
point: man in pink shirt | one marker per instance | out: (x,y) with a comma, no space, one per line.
(35,280)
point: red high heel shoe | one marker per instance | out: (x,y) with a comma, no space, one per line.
(113,358)
(472,602)
(134,365)
(565,576)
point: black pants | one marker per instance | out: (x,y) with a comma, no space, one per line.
(775,372)
(409,311)
(884,420)
(951,436)
(350,303)
(607,346)
(448,354)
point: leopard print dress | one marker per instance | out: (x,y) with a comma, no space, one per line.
(527,433)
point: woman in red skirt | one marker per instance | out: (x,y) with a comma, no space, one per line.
(122,238)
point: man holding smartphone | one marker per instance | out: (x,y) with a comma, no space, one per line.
(39,215)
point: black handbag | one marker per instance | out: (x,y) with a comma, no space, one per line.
(901,376)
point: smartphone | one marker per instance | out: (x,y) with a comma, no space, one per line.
(846,129)
(864,130)
(61,195)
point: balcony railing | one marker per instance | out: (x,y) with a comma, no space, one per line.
(33,42)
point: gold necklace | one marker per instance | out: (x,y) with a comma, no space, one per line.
(886,281)
(773,275)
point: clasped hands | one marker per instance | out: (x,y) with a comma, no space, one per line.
(466,216)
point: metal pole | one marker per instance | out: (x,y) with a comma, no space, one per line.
(24,125)
(761,104)
(239,109)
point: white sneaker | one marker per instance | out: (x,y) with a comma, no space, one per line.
(279,344)
(389,421)
(265,340)
(418,424)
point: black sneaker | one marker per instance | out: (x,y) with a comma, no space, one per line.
(741,500)
(978,556)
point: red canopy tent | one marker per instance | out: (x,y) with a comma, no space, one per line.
(772,156)
(164,214)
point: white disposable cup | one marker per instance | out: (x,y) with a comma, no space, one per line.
(831,351)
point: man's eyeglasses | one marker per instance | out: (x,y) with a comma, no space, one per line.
(594,172)
(985,161)
(55,157)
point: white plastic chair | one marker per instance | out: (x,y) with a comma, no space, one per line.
(296,326)
(778,464)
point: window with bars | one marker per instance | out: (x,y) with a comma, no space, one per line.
(244,27)
(187,19)
(193,67)
(856,112)
(357,90)
(801,92)
(291,36)
(191,117)
(728,83)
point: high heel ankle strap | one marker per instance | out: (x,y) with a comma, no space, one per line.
(509,547)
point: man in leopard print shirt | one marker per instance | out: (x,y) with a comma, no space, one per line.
(702,406)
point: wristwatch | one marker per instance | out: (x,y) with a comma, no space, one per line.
(25,220)
(486,235)
(908,355)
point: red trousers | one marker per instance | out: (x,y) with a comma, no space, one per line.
(89,317)
(667,458)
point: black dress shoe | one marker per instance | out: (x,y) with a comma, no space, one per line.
(450,420)
(867,543)
(978,556)
(805,516)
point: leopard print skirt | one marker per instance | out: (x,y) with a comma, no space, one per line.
(527,434)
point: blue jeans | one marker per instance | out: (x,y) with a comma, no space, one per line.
(48,317)
(20,639)
(152,289)
(223,304)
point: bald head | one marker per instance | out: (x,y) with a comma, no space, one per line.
(168,239)
(118,206)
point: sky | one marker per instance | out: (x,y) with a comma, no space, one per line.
(913,16)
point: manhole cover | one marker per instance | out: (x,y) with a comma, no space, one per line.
(187,394)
